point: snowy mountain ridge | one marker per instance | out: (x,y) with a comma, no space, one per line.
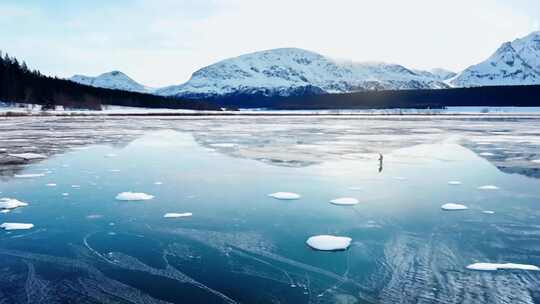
(115,80)
(279,72)
(514,63)
(282,72)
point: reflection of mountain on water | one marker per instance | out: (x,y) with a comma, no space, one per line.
(509,158)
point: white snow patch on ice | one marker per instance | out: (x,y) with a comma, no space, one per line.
(11,203)
(505,266)
(329,242)
(223,145)
(344,201)
(453,207)
(177,215)
(134,196)
(28,156)
(488,187)
(32,175)
(285,195)
(16,226)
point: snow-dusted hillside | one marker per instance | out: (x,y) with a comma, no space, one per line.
(112,80)
(287,71)
(514,63)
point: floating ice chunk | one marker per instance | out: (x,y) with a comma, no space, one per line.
(133,196)
(329,242)
(344,201)
(177,215)
(75,186)
(285,195)
(5,211)
(453,207)
(65,194)
(29,175)
(51,185)
(16,226)
(11,203)
(454,183)
(488,187)
(486,154)
(223,145)
(536,161)
(28,156)
(158,183)
(488,212)
(505,266)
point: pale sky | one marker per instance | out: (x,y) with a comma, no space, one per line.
(161,42)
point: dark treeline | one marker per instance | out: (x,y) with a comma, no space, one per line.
(20,84)
(497,96)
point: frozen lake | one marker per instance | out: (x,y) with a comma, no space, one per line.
(177,210)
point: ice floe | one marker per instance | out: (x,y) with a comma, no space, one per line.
(329,242)
(177,215)
(487,154)
(133,196)
(30,175)
(28,156)
(497,266)
(453,207)
(344,201)
(158,183)
(488,212)
(16,226)
(285,195)
(223,145)
(51,185)
(65,194)
(11,203)
(454,183)
(488,187)
(536,161)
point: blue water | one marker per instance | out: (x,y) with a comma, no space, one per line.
(242,246)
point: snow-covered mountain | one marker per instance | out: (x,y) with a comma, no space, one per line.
(112,80)
(514,63)
(287,71)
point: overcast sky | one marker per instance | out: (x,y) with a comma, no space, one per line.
(161,42)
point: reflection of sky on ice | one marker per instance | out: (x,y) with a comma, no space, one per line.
(240,245)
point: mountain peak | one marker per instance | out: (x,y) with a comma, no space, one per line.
(115,80)
(513,63)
